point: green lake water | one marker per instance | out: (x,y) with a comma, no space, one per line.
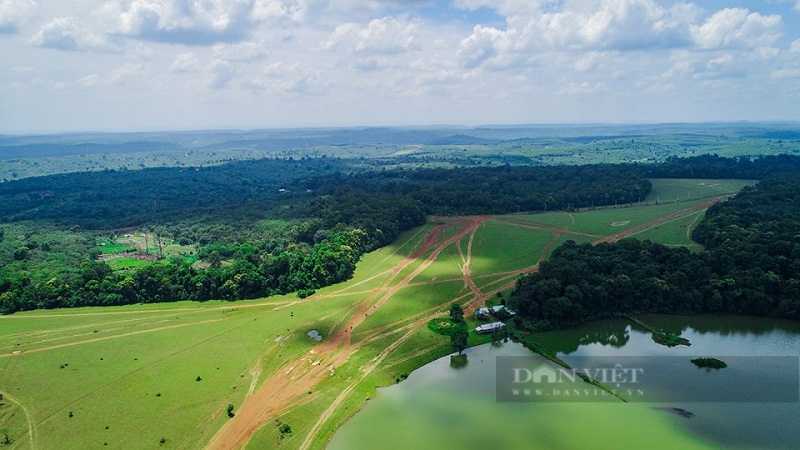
(442,407)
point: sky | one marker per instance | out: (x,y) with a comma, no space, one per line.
(143,65)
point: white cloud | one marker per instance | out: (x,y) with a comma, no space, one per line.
(738,27)
(279,10)
(484,43)
(464,60)
(387,35)
(14,12)
(68,33)
(199,22)
(572,25)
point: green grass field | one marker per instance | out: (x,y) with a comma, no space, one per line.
(502,247)
(109,248)
(128,376)
(669,190)
(676,233)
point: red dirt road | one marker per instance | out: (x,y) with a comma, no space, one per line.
(293,381)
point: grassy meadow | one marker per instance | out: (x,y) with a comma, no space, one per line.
(144,376)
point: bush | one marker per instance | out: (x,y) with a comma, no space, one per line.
(303,293)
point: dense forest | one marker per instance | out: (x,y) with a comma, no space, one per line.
(497,190)
(751,265)
(713,166)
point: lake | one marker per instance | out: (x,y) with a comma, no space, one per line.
(442,407)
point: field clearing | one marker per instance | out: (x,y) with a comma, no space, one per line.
(502,247)
(107,248)
(149,357)
(446,267)
(608,222)
(409,301)
(676,233)
(126,264)
(554,219)
(673,189)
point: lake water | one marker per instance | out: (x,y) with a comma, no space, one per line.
(442,407)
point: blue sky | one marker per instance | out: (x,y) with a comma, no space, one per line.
(126,65)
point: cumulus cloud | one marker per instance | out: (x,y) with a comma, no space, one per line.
(572,25)
(738,27)
(795,47)
(387,35)
(68,33)
(482,44)
(198,22)
(15,12)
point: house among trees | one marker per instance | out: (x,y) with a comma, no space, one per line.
(502,310)
(482,313)
(490,327)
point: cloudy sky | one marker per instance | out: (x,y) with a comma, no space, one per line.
(78,65)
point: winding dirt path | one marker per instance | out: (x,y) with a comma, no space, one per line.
(31,427)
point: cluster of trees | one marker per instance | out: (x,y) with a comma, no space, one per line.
(324,252)
(751,265)
(460,334)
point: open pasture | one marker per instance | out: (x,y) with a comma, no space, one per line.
(680,189)
(676,233)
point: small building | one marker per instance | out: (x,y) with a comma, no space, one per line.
(482,313)
(502,309)
(490,327)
